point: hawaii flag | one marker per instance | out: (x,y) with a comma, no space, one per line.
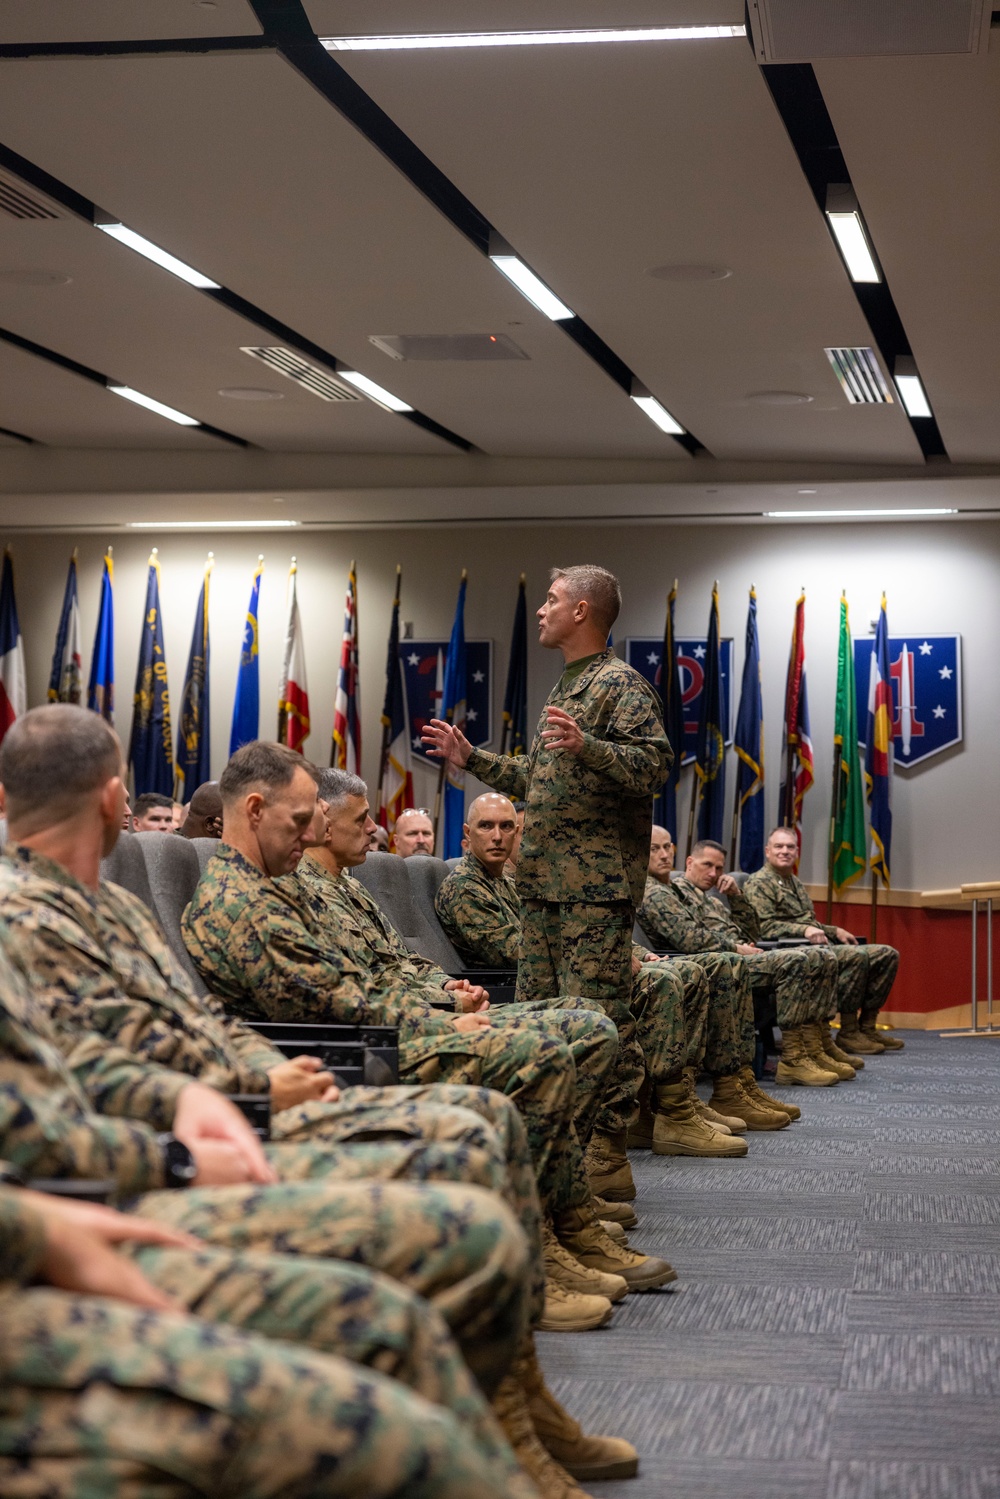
(346,713)
(293,693)
(13,690)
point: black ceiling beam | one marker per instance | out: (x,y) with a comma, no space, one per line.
(799,100)
(149,47)
(288,28)
(84,371)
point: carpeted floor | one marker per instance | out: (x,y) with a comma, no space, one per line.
(835,1331)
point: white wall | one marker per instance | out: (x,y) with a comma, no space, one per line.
(939,577)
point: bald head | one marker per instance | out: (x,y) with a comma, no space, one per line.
(661,854)
(204,819)
(413,833)
(490,830)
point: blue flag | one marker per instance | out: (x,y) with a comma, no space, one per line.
(101,687)
(515,698)
(749,745)
(246,704)
(193,744)
(453,708)
(149,753)
(66,674)
(710,756)
(878,751)
(671,696)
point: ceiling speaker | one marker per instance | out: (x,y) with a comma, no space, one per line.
(806,30)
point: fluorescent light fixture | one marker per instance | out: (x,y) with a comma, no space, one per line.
(530,286)
(659,414)
(848,228)
(211,525)
(376,393)
(151,405)
(912,395)
(439,40)
(852,514)
(159,257)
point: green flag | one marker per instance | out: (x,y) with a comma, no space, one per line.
(847,839)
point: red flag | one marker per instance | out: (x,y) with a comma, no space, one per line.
(293,694)
(346,715)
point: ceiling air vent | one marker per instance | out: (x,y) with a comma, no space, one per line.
(19,203)
(803,30)
(455,347)
(317,381)
(860,376)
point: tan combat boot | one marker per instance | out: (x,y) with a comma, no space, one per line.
(608,1171)
(725,1124)
(678,1130)
(869,1030)
(580,1232)
(730,1098)
(569,1311)
(751,1086)
(510,1406)
(813,1039)
(831,1048)
(852,1039)
(579,1280)
(796,1066)
(613,1230)
(581,1455)
(615,1212)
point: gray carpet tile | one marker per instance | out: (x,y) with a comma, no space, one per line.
(923,1363)
(835,1330)
(903,1480)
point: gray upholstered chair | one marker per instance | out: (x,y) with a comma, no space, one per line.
(162,870)
(125,866)
(205,848)
(426,875)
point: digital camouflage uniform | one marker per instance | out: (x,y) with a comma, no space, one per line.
(98,1397)
(804,979)
(585,843)
(262,948)
(102,969)
(865,973)
(440,1242)
(481,915)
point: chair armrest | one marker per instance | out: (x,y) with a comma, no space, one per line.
(256,1109)
(100,1191)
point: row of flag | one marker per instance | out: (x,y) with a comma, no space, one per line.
(848,859)
(156,762)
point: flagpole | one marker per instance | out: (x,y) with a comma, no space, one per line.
(831,851)
(439,793)
(873,925)
(383,761)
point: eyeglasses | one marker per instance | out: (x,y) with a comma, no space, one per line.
(418,811)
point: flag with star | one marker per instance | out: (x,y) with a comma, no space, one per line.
(926,676)
(150,755)
(878,750)
(347,713)
(395,779)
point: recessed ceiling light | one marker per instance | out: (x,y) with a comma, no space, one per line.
(250,393)
(211,525)
(656,412)
(853,514)
(687,273)
(35,278)
(436,41)
(163,258)
(527,283)
(848,228)
(137,397)
(805,491)
(376,393)
(779,398)
(910,387)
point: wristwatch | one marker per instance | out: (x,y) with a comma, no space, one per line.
(179,1165)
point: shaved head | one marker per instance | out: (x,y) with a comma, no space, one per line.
(490,831)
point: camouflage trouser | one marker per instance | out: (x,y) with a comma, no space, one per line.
(730,1040)
(865,975)
(569,948)
(690,1006)
(804,979)
(445,1114)
(99,1398)
(457,1247)
(525,1056)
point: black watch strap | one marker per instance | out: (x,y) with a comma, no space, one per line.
(179,1165)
